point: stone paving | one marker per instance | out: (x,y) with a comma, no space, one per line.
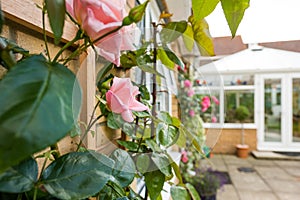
(271,179)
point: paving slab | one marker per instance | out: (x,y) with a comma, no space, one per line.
(287,196)
(227,192)
(258,195)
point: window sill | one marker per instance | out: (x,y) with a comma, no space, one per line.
(230,126)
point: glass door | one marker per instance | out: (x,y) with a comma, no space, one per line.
(278,112)
(296,110)
(272,108)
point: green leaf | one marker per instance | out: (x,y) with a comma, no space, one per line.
(176,171)
(141,114)
(112,122)
(163,163)
(149,69)
(165,117)
(188,38)
(124,168)
(202,36)
(167,135)
(178,192)
(192,191)
(20,178)
(77,175)
(142,163)
(181,142)
(111,191)
(40,103)
(172,31)
(163,57)
(145,94)
(154,182)
(202,8)
(153,145)
(172,56)
(234,12)
(131,146)
(56,12)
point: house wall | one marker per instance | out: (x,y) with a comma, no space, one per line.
(224,140)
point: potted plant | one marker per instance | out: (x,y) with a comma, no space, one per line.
(206,181)
(242,114)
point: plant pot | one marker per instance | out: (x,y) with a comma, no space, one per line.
(242,150)
(210,197)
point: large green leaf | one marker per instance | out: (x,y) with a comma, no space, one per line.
(172,31)
(154,182)
(124,168)
(163,57)
(77,175)
(178,192)
(172,56)
(142,163)
(56,12)
(40,103)
(167,135)
(163,163)
(188,38)
(192,191)
(20,178)
(202,36)
(234,12)
(202,8)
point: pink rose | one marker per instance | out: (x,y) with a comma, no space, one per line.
(187,84)
(205,104)
(192,113)
(190,93)
(213,119)
(98,17)
(121,98)
(215,100)
(184,157)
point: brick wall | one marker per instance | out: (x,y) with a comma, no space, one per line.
(224,140)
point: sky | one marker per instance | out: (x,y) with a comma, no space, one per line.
(264,21)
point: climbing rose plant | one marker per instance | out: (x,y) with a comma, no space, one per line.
(41,102)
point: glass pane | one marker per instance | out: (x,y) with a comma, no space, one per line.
(272,110)
(296,110)
(236,98)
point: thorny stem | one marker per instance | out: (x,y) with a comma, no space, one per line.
(35,193)
(45,35)
(140,142)
(90,125)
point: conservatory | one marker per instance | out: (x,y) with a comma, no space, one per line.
(267,82)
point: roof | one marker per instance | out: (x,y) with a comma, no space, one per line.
(255,60)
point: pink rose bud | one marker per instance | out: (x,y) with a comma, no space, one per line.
(184,157)
(215,100)
(99,17)
(121,98)
(192,113)
(213,119)
(187,83)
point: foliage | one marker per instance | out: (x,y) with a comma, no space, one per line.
(242,113)
(41,101)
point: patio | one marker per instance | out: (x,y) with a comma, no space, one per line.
(269,179)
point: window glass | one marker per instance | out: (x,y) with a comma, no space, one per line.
(235,98)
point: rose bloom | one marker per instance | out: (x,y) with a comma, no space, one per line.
(187,84)
(215,100)
(121,98)
(205,104)
(98,17)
